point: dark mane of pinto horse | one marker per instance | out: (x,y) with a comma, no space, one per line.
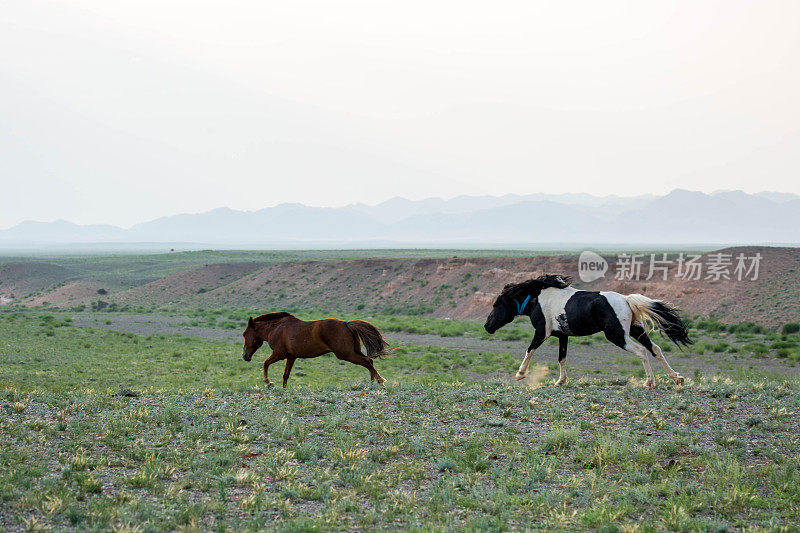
(520,299)
(533,287)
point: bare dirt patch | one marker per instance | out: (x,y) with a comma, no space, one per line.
(19,279)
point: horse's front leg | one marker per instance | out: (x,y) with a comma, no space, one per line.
(538,339)
(287,370)
(562,363)
(271,359)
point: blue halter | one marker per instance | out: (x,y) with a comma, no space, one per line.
(521,307)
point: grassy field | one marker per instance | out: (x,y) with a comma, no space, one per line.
(137,432)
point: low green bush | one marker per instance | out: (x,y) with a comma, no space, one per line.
(748,327)
(784,344)
(720,347)
(756,348)
(790,327)
(711,325)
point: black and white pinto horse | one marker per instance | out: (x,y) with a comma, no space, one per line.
(562,311)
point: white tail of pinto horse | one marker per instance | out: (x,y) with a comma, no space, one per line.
(657,314)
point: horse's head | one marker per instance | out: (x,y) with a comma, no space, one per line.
(252,340)
(504,310)
(520,298)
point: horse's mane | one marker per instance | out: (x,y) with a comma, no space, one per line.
(272,316)
(535,286)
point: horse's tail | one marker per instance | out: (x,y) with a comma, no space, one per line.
(373,340)
(661,315)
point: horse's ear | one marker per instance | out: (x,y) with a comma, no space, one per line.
(251,322)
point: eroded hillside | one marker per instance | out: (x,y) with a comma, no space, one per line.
(454,287)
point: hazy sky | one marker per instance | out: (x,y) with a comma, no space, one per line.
(121,111)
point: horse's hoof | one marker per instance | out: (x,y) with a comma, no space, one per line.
(520,376)
(268,384)
(559,382)
(649,384)
(678,380)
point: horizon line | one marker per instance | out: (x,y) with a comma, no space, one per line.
(353,204)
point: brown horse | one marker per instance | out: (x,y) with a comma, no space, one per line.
(290,338)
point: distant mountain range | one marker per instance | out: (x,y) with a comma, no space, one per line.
(680,217)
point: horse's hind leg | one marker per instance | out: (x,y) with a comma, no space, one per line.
(360,359)
(636,348)
(616,334)
(373,374)
(371,367)
(638,333)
